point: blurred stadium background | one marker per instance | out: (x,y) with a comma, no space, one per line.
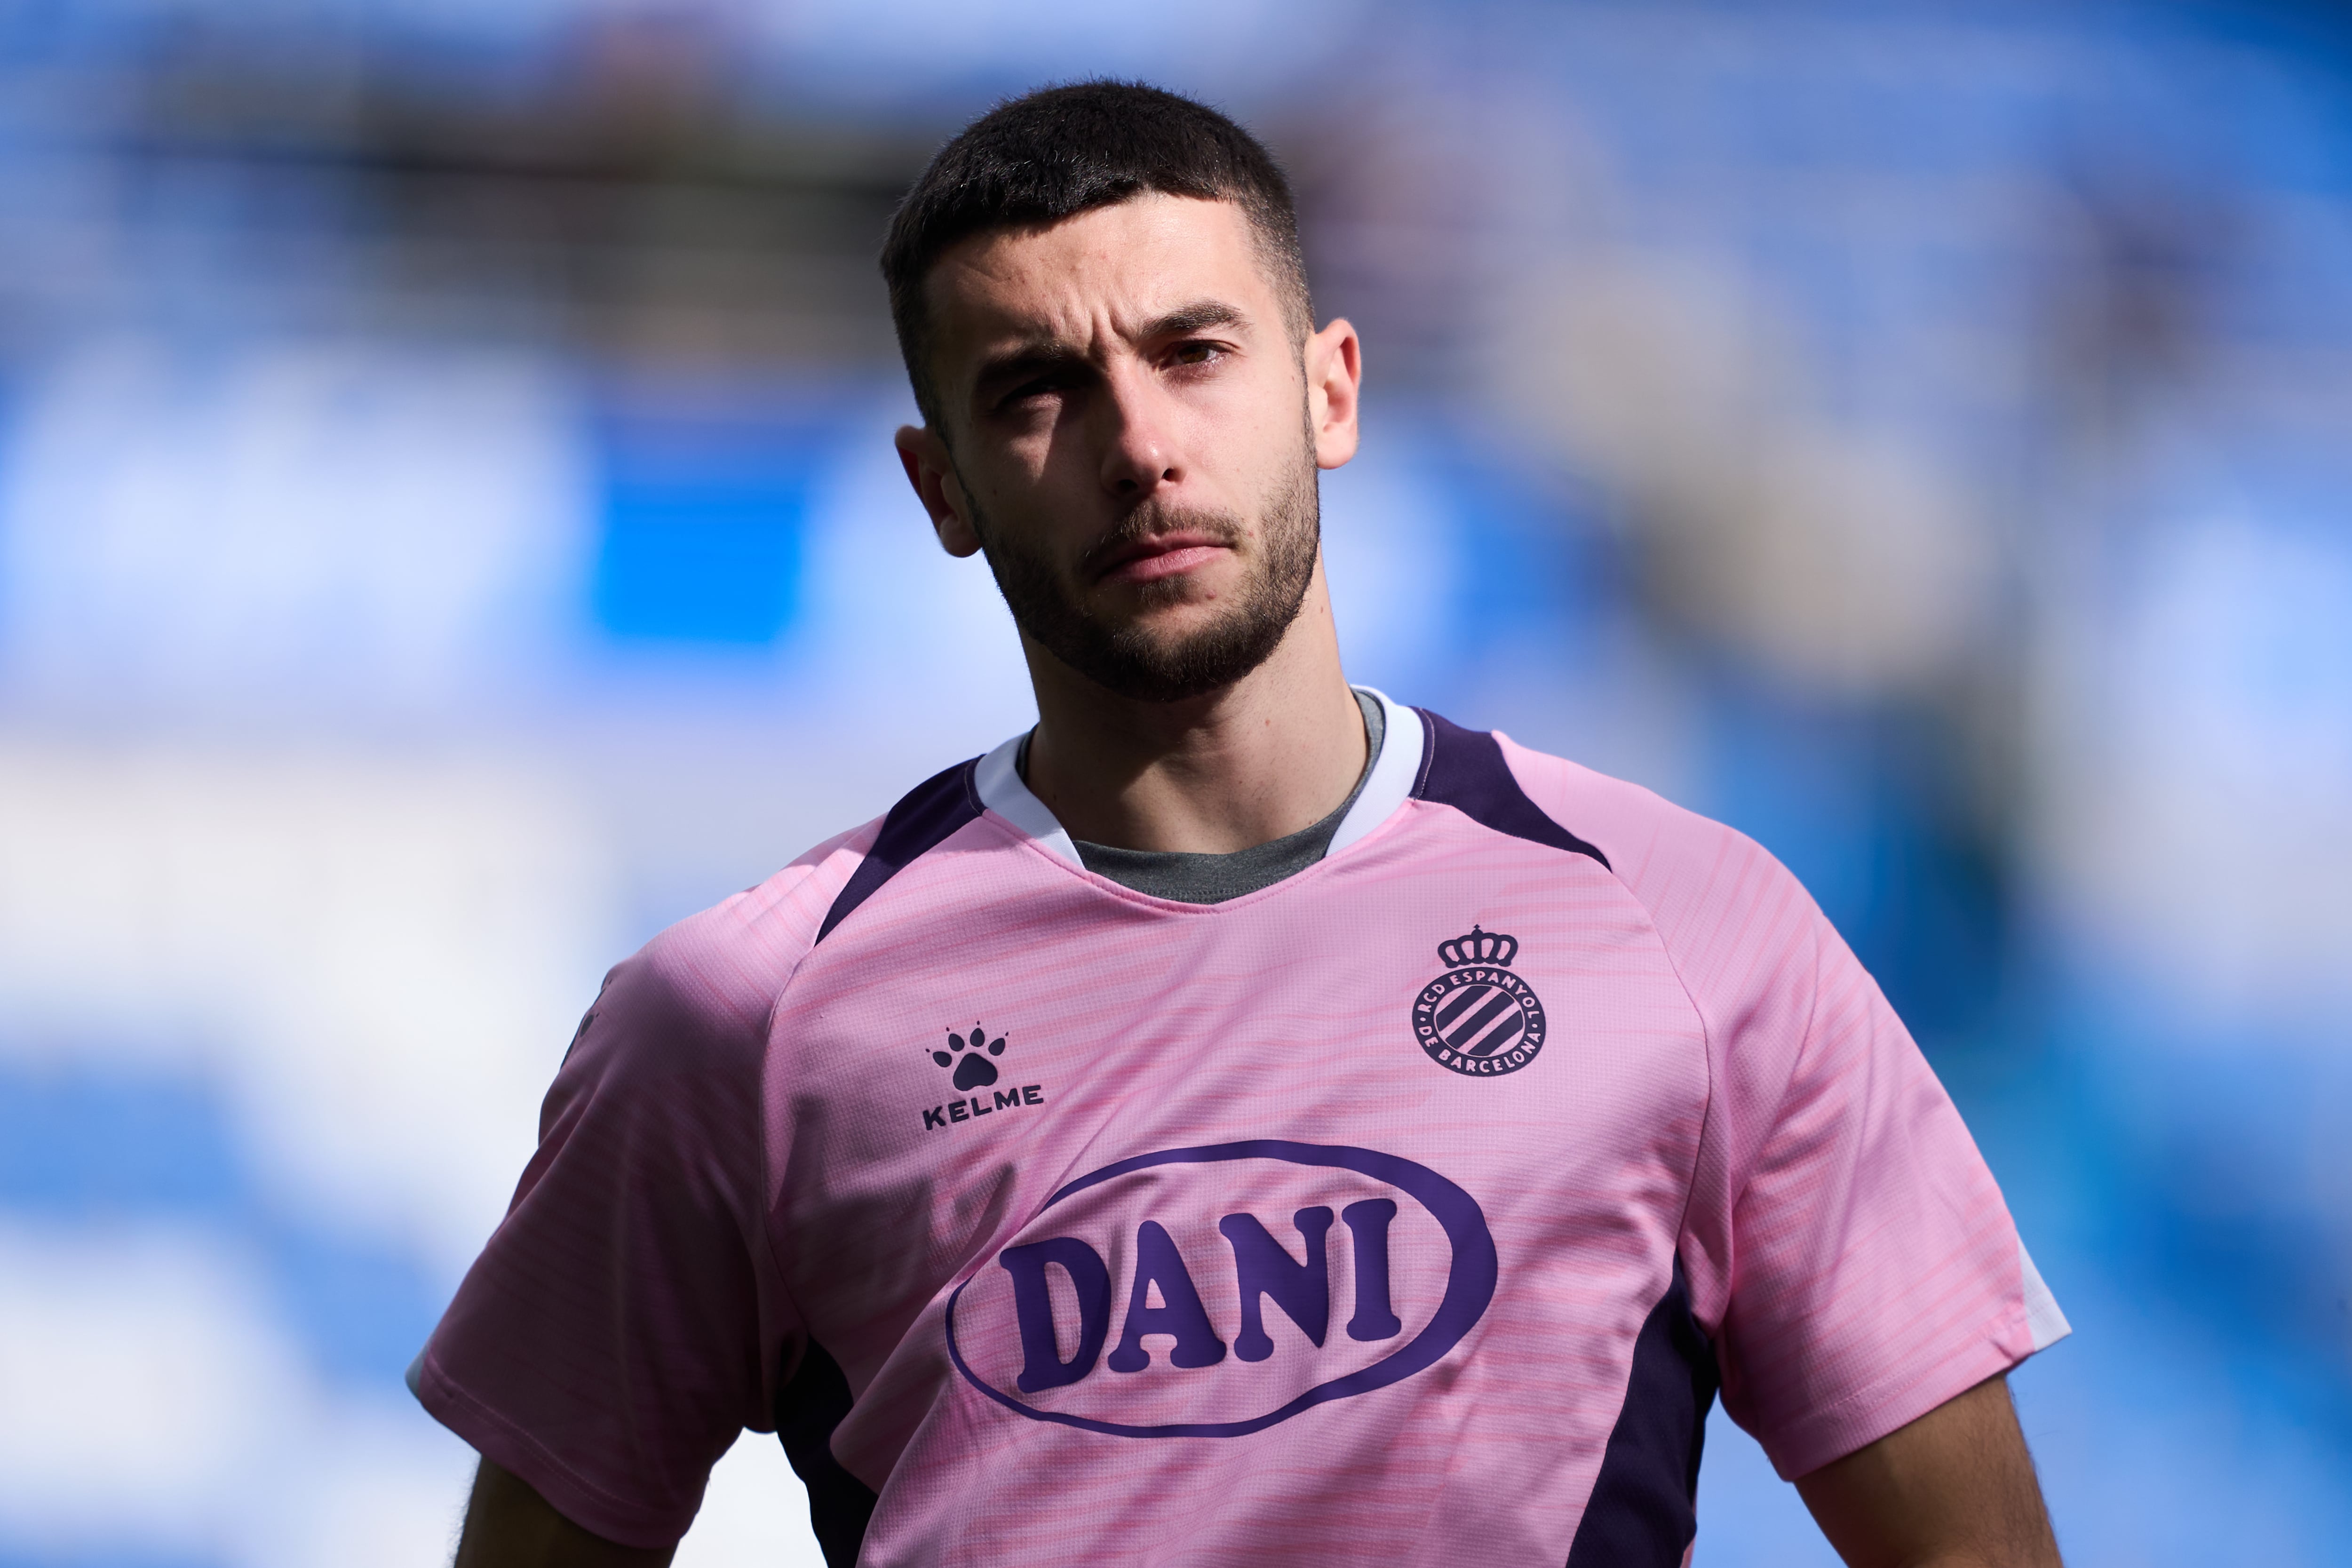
(447,531)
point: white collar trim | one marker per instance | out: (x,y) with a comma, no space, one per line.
(998,780)
(1001,791)
(1393,777)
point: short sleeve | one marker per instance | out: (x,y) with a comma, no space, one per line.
(620,1327)
(1875,1272)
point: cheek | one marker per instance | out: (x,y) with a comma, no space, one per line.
(1033,492)
(1038,453)
(1259,420)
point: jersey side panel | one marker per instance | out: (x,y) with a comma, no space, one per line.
(627,1320)
(1847,1246)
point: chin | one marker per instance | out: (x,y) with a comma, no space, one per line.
(1188,594)
(1172,625)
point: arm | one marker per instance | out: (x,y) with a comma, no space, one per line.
(509,1525)
(1953,1489)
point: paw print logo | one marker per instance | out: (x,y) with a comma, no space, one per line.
(973,1068)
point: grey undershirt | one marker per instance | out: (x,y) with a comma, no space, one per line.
(1190,878)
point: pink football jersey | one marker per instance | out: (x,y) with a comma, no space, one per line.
(1411,1209)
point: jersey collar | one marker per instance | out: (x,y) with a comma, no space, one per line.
(997,777)
(1392,776)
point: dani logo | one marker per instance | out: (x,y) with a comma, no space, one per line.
(1208,1292)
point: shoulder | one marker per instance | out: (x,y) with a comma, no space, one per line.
(707,985)
(1702,884)
(695,1000)
(1731,916)
(1674,859)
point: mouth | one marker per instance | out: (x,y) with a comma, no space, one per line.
(1159,557)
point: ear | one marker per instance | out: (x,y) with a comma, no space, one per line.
(1335,373)
(929,471)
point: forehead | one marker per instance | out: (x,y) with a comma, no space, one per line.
(1111,268)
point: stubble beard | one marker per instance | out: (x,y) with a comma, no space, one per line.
(1124,657)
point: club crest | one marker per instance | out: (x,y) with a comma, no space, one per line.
(1478,1019)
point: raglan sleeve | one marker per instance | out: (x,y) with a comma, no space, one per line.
(620,1327)
(1874,1271)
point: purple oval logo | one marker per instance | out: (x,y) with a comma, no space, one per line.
(1200,1292)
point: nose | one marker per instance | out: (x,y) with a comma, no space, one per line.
(1138,441)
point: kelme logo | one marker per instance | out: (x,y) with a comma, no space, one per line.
(969,1060)
(1211,1292)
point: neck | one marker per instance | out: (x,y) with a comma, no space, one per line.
(1274,752)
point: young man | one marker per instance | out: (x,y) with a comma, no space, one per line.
(1244,1119)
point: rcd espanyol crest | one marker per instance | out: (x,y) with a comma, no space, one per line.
(1478,1019)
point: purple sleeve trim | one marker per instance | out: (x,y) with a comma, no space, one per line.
(920,822)
(1464,769)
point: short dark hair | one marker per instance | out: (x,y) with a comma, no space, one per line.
(1055,152)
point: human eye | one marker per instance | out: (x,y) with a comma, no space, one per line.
(1196,353)
(1030,390)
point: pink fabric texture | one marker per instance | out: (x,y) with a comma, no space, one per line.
(1321,1225)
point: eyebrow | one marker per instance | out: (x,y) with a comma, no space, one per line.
(1037,356)
(1198,316)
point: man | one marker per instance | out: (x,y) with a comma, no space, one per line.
(1244,1119)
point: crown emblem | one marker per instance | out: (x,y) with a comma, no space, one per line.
(1479,947)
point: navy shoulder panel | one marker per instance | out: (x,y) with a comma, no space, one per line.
(918,823)
(808,1410)
(1464,769)
(1644,1510)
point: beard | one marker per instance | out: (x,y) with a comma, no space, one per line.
(1125,657)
